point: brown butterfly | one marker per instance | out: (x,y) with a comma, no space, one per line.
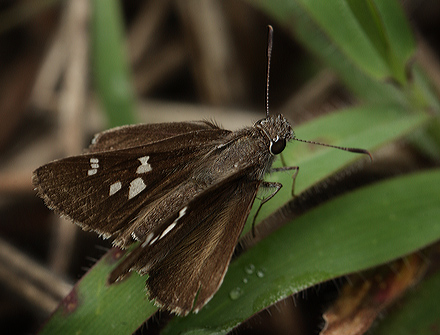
(182,190)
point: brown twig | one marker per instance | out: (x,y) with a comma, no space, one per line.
(30,280)
(72,105)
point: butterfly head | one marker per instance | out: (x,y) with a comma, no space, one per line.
(278,130)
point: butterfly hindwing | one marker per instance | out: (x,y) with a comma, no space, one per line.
(193,259)
(191,274)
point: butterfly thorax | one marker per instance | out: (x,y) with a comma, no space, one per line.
(254,146)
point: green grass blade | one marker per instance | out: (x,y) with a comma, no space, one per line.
(384,25)
(350,37)
(398,28)
(110,68)
(351,233)
(333,31)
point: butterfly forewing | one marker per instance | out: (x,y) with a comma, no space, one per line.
(131,136)
(200,240)
(105,191)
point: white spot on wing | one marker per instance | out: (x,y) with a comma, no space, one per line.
(166,231)
(154,240)
(145,166)
(91,172)
(115,187)
(182,212)
(136,187)
(147,240)
(94,166)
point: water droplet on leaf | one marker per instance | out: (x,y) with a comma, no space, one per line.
(260,274)
(249,269)
(235,293)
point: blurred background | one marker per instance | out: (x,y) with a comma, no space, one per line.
(174,61)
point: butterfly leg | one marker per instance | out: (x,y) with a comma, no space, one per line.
(288,168)
(265,184)
(277,187)
(283,161)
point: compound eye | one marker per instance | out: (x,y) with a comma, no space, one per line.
(277,146)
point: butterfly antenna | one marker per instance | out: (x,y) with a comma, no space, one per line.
(355,150)
(269,55)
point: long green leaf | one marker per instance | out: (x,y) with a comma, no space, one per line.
(346,29)
(93,307)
